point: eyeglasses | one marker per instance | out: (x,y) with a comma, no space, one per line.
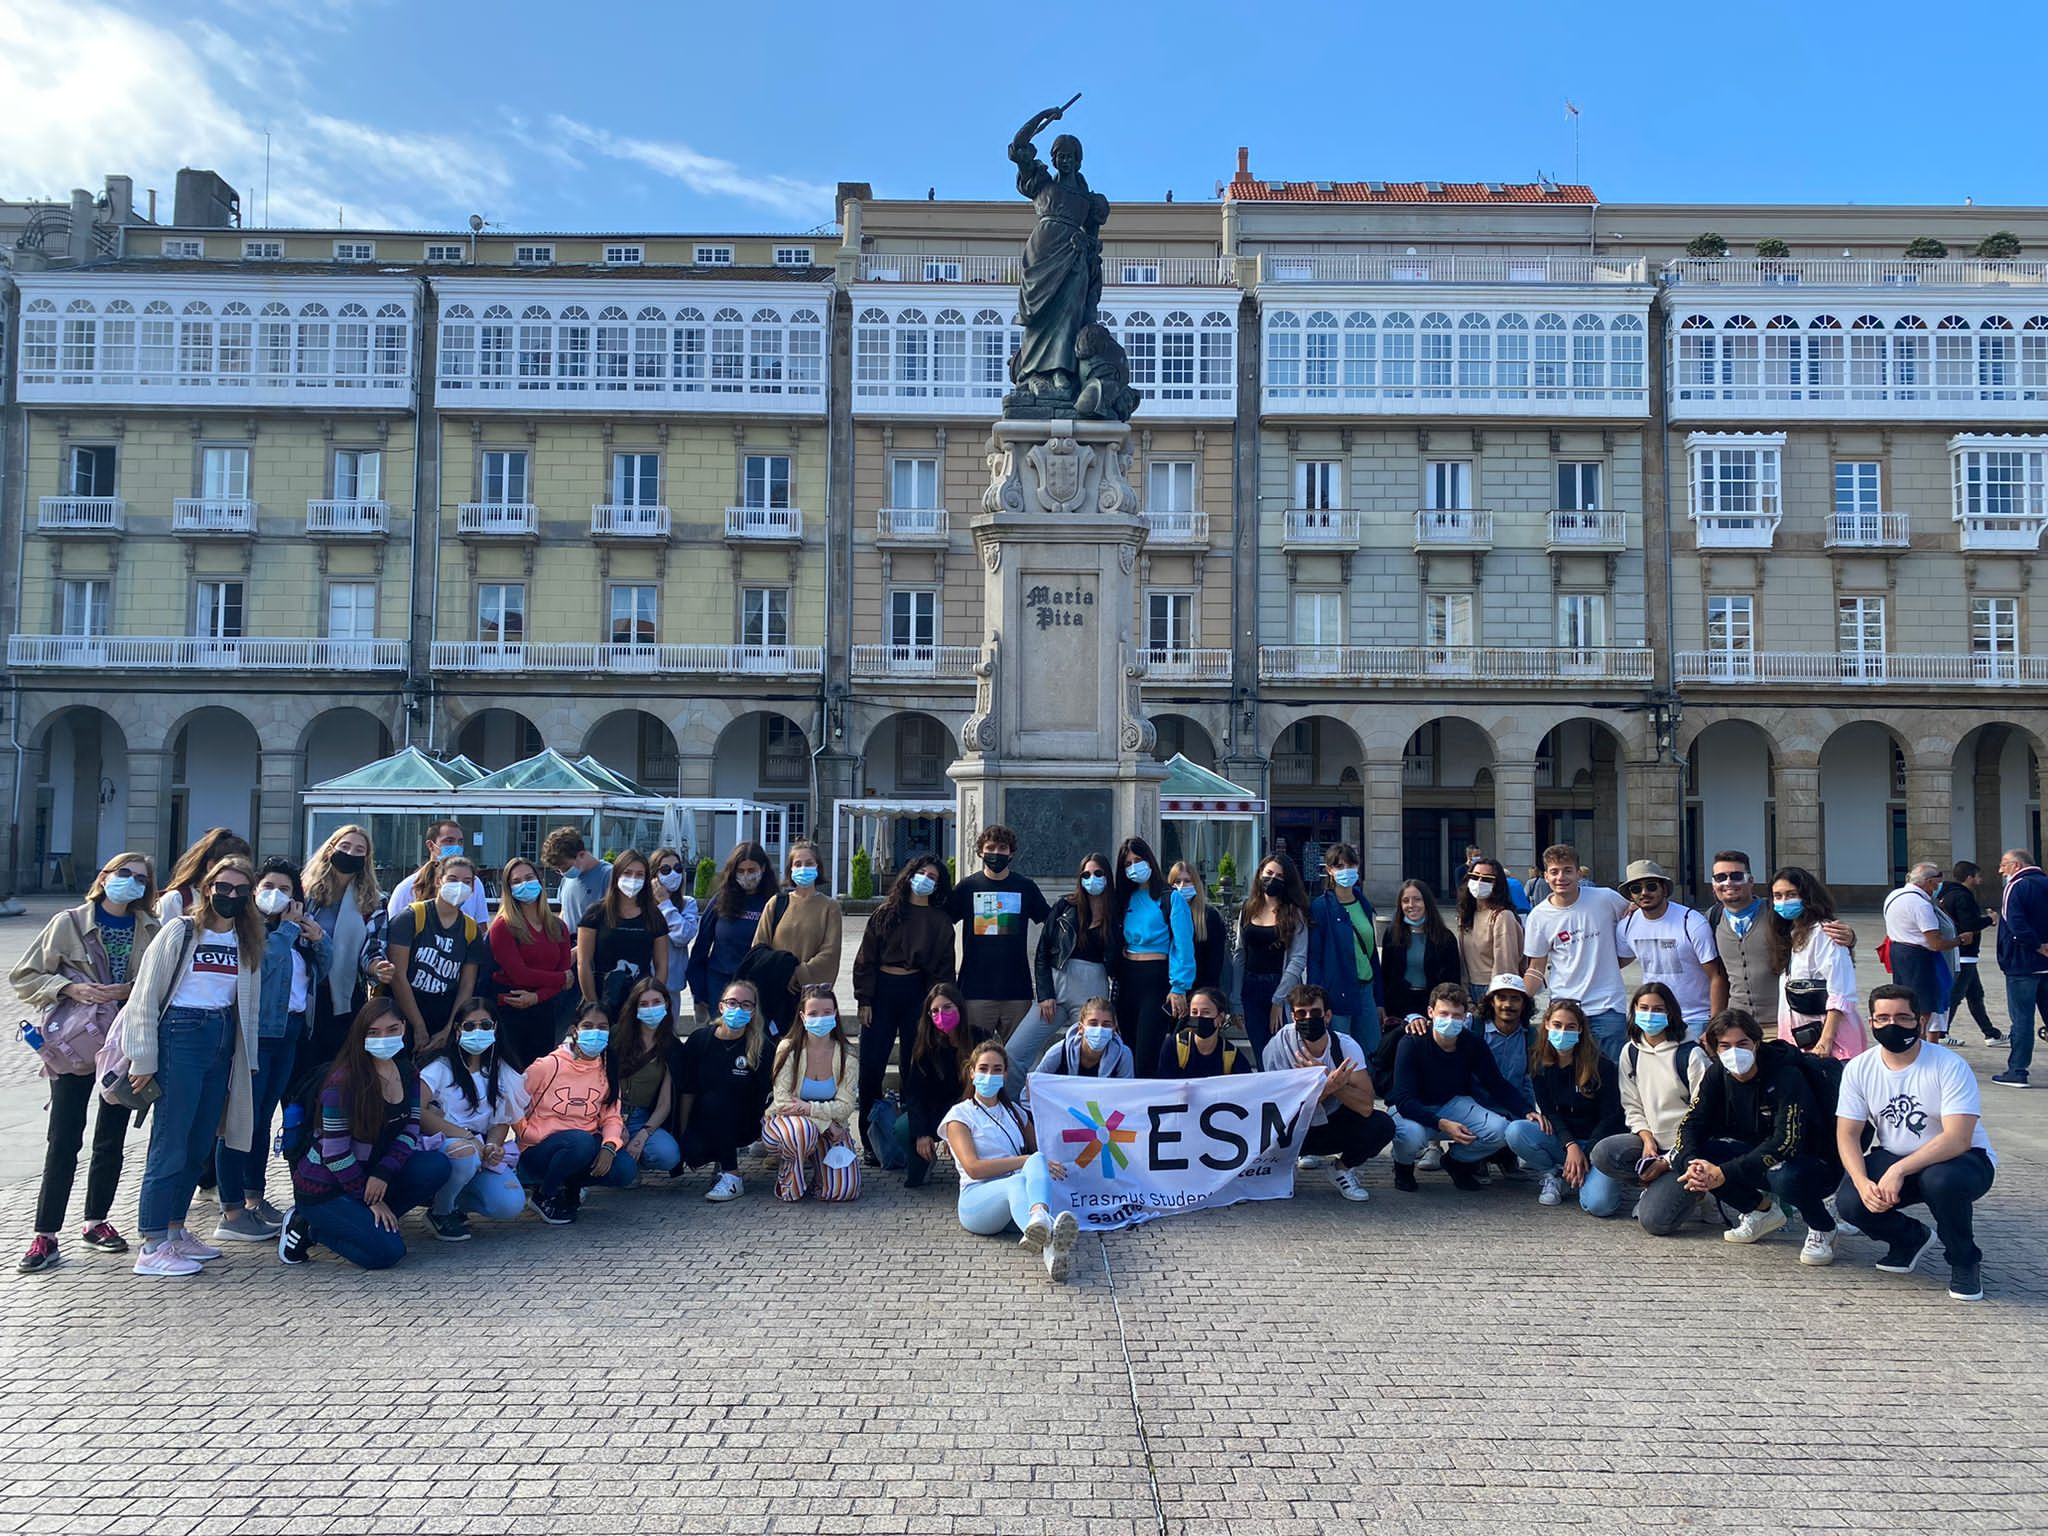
(1644,887)
(1730,876)
(133,874)
(1894,1018)
(1309,1017)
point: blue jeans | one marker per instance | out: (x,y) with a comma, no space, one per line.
(345,1224)
(1544,1151)
(1409,1138)
(1489,1131)
(193,1051)
(1610,1029)
(993,1205)
(492,1192)
(241,1173)
(659,1152)
(1365,1027)
(2025,996)
(562,1162)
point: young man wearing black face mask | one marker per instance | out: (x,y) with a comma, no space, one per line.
(996,907)
(1920,1107)
(1345,1122)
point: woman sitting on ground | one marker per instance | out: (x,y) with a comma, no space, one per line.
(816,1091)
(722,1087)
(1005,1180)
(1092,1048)
(1659,1073)
(471,1096)
(574,1133)
(644,1048)
(931,1085)
(1199,1049)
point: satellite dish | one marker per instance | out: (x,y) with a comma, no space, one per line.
(476,222)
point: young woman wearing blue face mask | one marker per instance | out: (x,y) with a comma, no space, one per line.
(1340,951)
(804,922)
(1005,1180)
(535,956)
(816,1091)
(1420,953)
(1658,1074)
(643,1053)
(471,1096)
(722,1086)
(574,1131)
(1070,965)
(1802,950)
(1092,1047)
(1151,949)
(905,952)
(1578,1105)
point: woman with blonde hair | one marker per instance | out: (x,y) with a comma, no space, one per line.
(814,1095)
(189,1029)
(1212,934)
(344,899)
(535,965)
(76,975)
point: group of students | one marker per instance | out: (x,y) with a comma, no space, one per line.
(427,1052)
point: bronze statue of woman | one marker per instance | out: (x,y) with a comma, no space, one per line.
(1062,287)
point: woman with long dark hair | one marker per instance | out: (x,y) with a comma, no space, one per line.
(190,870)
(1419,953)
(1005,1181)
(722,1086)
(812,1099)
(1069,968)
(905,952)
(364,1166)
(728,923)
(1489,932)
(574,1133)
(471,1095)
(1809,963)
(644,1048)
(1151,950)
(623,938)
(1272,946)
(931,1081)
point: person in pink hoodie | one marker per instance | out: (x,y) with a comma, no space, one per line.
(574,1130)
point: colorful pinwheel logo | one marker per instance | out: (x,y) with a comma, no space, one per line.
(1100,1135)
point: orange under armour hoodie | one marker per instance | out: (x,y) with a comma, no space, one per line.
(567,1094)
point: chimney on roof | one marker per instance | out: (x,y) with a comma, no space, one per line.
(1244,162)
(850,191)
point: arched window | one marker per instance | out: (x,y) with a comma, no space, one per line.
(1319,354)
(536,352)
(1283,353)
(1177,357)
(1361,355)
(871,352)
(1697,370)
(352,347)
(81,342)
(1511,355)
(1397,354)
(690,352)
(1551,361)
(1955,361)
(611,353)
(1141,349)
(650,349)
(1824,363)
(39,332)
(913,353)
(156,349)
(807,353)
(1475,355)
(1782,353)
(1434,373)
(1627,353)
(117,343)
(392,344)
(2034,358)
(1997,358)
(1868,374)
(993,343)
(728,352)
(764,353)
(1912,358)
(494,349)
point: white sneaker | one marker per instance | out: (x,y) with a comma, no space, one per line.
(190,1247)
(1843,1228)
(1552,1192)
(1037,1233)
(1755,1225)
(1312,1160)
(1059,1253)
(1349,1184)
(730,1186)
(1431,1160)
(163,1259)
(1819,1249)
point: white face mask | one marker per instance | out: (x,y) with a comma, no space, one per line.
(631,885)
(270,900)
(1738,1059)
(1480,889)
(455,892)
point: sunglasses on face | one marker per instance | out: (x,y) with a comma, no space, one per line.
(228,890)
(133,874)
(1308,1018)
(1644,888)
(670,869)
(1730,876)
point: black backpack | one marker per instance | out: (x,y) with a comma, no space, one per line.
(1682,1061)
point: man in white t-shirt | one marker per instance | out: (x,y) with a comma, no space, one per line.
(1674,945)
(1914,925)
(1920,1105)
(1573,945)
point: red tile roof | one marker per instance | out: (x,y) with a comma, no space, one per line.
(1246,190)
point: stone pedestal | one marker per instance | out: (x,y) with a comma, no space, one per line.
(1058,746)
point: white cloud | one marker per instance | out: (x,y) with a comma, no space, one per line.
(786,195)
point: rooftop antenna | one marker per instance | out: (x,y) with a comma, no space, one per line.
(1571,110)
(266,178)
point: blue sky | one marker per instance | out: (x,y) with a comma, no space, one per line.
(545,116)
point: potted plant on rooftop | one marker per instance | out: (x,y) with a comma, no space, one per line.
(1926,248)
(1709,245)
(1999,245)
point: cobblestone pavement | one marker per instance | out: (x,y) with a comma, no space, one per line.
(1433,1363)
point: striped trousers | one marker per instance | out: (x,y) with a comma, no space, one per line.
(798,1142)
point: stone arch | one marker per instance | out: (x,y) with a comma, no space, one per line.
(76,816)
(1864,848)
(1995,792)
(1315,785)
(213,776)
(1731,798)
(497,736)
(338,740)
(637,743)
(1449,766)
(1186,735)
(905,756)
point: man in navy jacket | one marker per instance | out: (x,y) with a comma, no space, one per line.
(2023,956)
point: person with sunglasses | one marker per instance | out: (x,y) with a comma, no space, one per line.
(1740,920)
(1673,944)
(76,975)
(1345,1123)
(678,908)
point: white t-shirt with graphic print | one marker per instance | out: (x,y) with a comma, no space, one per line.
(1907,1105)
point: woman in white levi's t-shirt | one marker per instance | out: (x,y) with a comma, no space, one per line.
(1004,1178)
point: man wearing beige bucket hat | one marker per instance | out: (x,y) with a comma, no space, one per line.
(1674,945)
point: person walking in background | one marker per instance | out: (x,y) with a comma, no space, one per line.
(1673,944)
(445,840)
(906,951)
(1913,928)
(1573,946)
(2023,957)
(76,975)
(1272,947)
(1957,897)
(996,907)
(1071,965)
(585,877)
(1489,931)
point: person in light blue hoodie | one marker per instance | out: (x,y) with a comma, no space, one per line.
(1092,1047)
(1151,949)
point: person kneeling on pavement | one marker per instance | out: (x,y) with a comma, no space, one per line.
(1446,1083)
(1919,1105)
(1345,1122)
(1660,1071)
(1754,1135)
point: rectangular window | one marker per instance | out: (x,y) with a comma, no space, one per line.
(1447,485)
(632,615)
(766,481)
(1856,490)
(358,474)
(636,480)
(452,254)
(1319,618)
(2005,483)
(224,474)
(1169,623)
(764,616)
(712,256)
(922,752)
(1318,484)
(263,250)
(354,250)
(624,255)
(1170,485)
(1581,620)
(92,471)
(1578,486)
(938,270)
(914,483)
(84,607)
(914,620)
(533,255)
(792,255)
(1995,636)
(504,476)
(1859,632)
(187,250)
(501,612)
(785,755)
(1447,619)
(352,610)
(1140,272)
(1731,635)
(218,611)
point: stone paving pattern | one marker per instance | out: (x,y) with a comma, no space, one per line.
(1434,1363)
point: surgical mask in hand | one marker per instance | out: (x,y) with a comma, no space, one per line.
(384,1047)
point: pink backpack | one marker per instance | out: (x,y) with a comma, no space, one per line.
(70,1034)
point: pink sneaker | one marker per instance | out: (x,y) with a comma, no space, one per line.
(190,1247)
(164,1260)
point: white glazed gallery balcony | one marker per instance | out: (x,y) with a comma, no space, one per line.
(628,520)
(213,515)
(81,514)
(947,663)
(348,518)
(672,659)
(1454,529)
(1485,664)
(764,525)
(1117,271)
(1982,531)
(1869,530)
(1584,529)
(497,519)
(1852,272)
(1830,668)
(913,525)
(1375,269)
(185,653)
(1723,530)
(1176,528)
(1320,528)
